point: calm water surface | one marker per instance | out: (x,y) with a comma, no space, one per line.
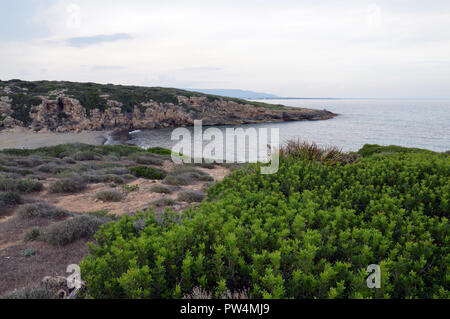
(410,123)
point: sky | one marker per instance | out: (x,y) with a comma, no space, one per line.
(322,48)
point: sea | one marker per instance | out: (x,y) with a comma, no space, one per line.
(410,123)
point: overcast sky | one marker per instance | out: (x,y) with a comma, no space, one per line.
(395,48)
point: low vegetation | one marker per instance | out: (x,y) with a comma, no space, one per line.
(163,202)
(190,196)
(40,210)
(68,231)
(109,196)
(68,185)
(308,231)
(161,189)
(148,172)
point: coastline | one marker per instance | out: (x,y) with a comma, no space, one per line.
(28,139)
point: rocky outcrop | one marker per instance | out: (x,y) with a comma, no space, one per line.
(65,114)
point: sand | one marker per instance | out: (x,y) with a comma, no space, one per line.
(21,138)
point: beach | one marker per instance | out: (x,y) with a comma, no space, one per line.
(22,138)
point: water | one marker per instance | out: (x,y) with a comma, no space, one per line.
(409,123)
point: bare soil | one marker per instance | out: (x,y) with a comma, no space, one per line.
(18,271)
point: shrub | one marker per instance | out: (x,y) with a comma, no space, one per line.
(161,189)
(149,160)
(29,252)
(33,234)
(162,202)
(308,231)
(40,210)
(130,188)
(191,196)
(10,198)
(68,185)
(148,172)
(85,156)
(109,196)
(159,150)
(20,185)
(33,293)
(71,230)
(176,180)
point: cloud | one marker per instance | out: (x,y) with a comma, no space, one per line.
(291,47)
(97,39)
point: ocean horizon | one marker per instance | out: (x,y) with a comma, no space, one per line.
(421,123)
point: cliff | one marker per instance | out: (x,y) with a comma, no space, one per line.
(68,106)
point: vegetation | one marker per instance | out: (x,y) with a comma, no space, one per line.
(190,196)
(130,188)
(308,231)
(148,172)
(161,189)
(109,196)
(10,198)
(69,231)
(19,185)
(68,185)
(163,202)
(40,210)
(92,96)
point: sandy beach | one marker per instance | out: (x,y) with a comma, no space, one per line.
(21,138)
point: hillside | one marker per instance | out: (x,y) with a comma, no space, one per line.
(70,106)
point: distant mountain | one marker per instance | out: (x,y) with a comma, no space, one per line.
(241,94)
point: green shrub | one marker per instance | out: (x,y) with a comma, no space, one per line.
(33,293)
(130,188)
(40,210)
(20,185)
(190,196)
(85,156)
(68,185)
(163,202)
(148,172)
(33,234)
(71,230)
(176,180)
(308,231)
(149,160)
(109,196)
(161,189)
(10,198)
(159,150)
(29,252)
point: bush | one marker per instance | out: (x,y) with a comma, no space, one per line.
(159,151)
(176,180)
(20,185)
(161,189)
(163,202)
(130,188)
(68,185)
(10,198)
(191,196)
(33,293)
(33,234)
(148,172)
(308,231)
(85,156)
(29,252)
(40,210)
(109,196)
(71,230)
(149,160)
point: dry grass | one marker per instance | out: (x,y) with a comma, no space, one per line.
(313,152)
